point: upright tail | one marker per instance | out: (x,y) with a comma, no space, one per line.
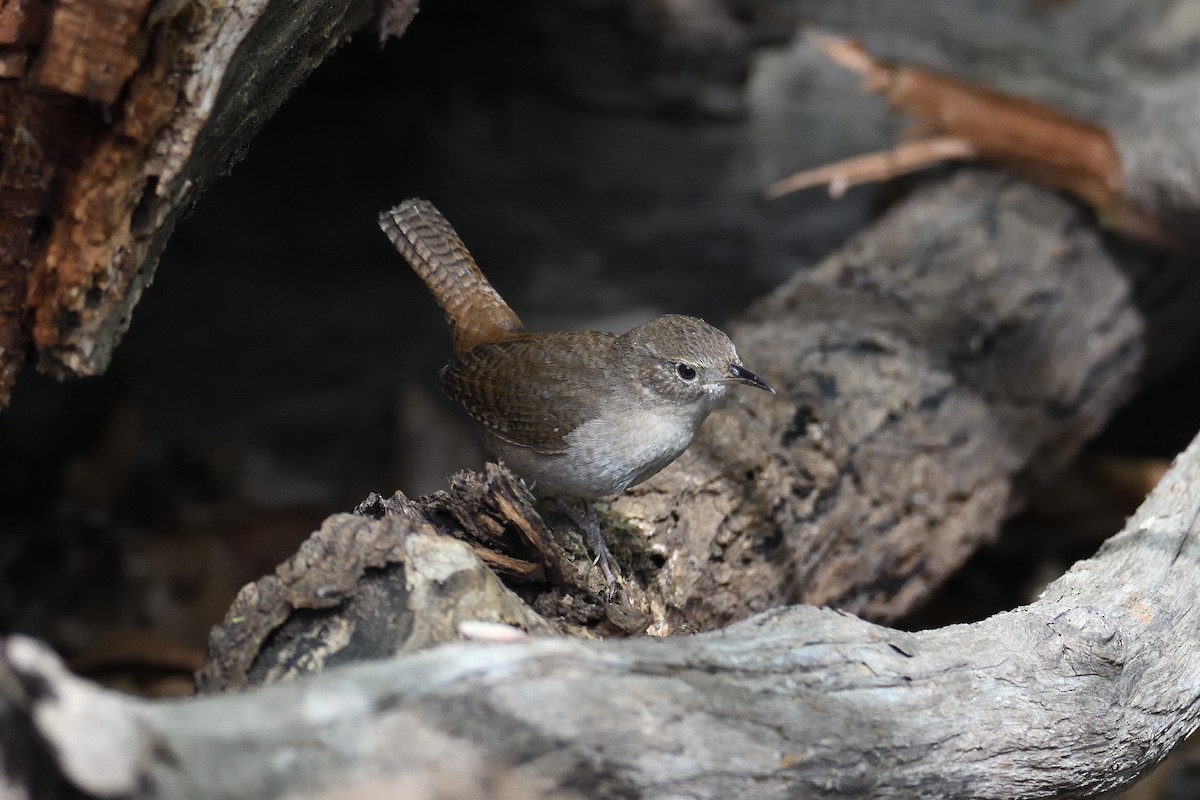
(475,311)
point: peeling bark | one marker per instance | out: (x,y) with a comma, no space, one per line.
(126,114)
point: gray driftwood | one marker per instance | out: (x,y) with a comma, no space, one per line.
(1074,695)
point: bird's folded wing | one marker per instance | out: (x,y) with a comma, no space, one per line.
(532,391)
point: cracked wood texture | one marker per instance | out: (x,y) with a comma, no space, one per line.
(1072,696)
(947,359)
(952,356)
(114,116)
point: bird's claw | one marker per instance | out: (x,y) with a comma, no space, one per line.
(604,558)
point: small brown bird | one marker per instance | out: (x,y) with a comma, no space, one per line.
(581,414)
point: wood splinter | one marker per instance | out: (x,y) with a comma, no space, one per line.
(974,122)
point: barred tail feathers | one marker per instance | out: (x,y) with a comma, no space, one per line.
(475,311)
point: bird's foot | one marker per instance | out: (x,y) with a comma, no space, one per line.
(590,525)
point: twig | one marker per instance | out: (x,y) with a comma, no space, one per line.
(874,167)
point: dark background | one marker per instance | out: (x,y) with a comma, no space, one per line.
(284,362)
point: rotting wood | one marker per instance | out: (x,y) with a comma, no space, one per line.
(126,114)
(363,587)
(92,48)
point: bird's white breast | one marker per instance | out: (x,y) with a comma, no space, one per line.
(609,454)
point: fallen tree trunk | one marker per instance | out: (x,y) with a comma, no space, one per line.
(1077,694)
(955,354)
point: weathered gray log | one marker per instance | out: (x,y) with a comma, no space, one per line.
(1072,696)
(953,355)
(948,358)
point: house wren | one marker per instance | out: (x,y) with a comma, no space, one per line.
(577,413)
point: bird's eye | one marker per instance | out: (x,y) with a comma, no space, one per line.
(686,372)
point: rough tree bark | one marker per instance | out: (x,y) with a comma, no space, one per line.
(114,117)
(1072,696)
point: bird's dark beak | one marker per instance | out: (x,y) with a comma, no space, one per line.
(742,375)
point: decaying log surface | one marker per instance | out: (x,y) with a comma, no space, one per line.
(391,579)
(114,117)
(951,356)
(1074,695)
